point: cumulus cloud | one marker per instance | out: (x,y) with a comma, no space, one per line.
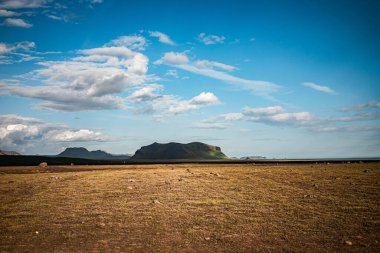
(207,68)
(202,100)
(87,81)
(162,37)
(147,93)
(17,22)
(172,58)
(321,88)
(152,101)
(18,132)
(210,39)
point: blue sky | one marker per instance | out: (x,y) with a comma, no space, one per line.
(283,79)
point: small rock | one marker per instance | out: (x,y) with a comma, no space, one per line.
(207,238)
(130,188)
(365,171)
(180,179)
(37,232)
(43,164)
(349,243)
(101,224)
(10,182)
(156,201)
(167,182)
(315,185)
(131,180)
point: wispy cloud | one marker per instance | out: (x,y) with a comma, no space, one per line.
(23,4)
(210,39)
(17,52)
(211,69)
(17,22)
(162,37)
(6,13)
(321,88)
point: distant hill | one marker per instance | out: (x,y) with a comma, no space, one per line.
(94,155)
(4,152)
(173,150)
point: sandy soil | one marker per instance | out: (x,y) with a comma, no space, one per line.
(191,208)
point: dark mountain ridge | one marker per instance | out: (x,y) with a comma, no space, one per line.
(79,152)
(173,150)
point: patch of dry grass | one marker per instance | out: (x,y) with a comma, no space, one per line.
(191,208)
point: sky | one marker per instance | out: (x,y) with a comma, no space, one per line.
(280,79)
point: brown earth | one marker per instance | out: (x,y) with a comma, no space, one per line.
(191,208)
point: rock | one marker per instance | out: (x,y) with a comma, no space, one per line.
(365,171)
(156,201)
(37,232)
(131,180)
(130,188)
(349,243)
(101,224)
(43,164)
(207,238)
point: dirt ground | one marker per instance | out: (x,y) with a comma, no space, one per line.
(191,208)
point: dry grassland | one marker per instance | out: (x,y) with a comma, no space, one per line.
(191,208)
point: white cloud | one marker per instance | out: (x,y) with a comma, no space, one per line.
(6,13)
(22,4)
(80,135)
(172,72)
(87,81)
(270,115)
(18,22)
(232,116)
(162,37)
(210,39)
(146,93)
(22,133)
(204,64)
(172,58)
(321,88)
(360,107)
(16,52)
(133,42)
(210,125)
(202,100)
(205,68)
(167,105)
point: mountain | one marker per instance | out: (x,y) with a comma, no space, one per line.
(94,155)
(4,152)
(173,150)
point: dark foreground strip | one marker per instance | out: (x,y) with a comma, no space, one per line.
(8,160)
